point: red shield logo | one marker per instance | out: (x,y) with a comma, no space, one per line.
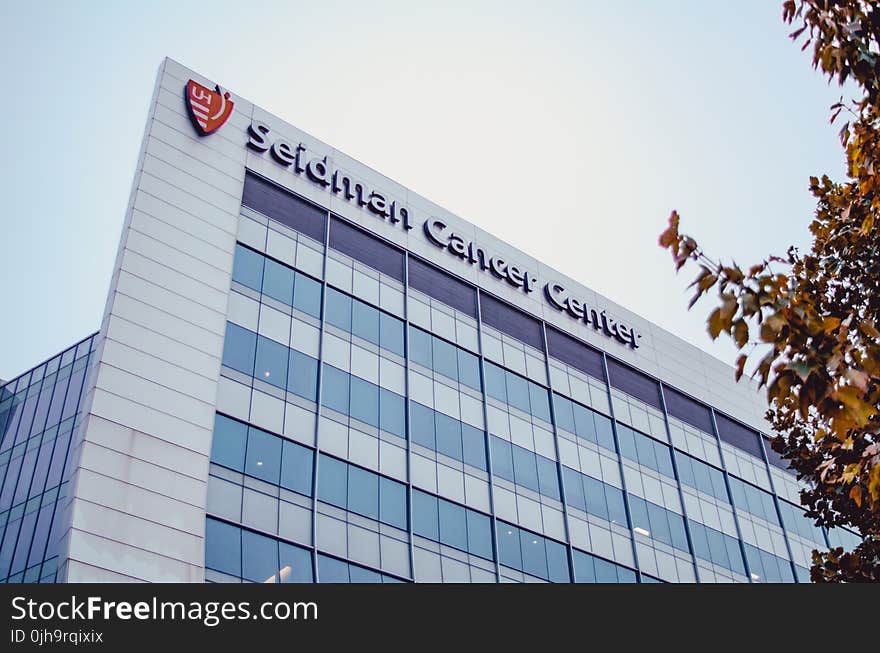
(208,109)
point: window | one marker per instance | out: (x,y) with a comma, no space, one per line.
(307,295)
(239,349)
(594,497)
(716,547)
(338,309)
(656,522)
(302,375)
(222,547)
(278,282)
(364,401)
(296,468)
(591,569)
(392,413)
(229,443)
(583,422)
(283,206)
(524,467)
(532,554)
(247,268)
(645,450)
(263,458)
(751,499)
(271,365)
(451,524)
(295,564)
(444,358)
(362,491)
(703,477)
(448,436)
(259,557)
(335,389)
(391,333)
(766,567)
(520,393)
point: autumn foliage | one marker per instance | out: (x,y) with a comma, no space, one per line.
(809,323)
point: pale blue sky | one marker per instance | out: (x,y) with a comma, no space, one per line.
(635,108)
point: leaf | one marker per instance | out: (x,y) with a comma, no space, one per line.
(741,333)
(740,365)
(856,494)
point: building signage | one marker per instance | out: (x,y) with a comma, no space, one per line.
(319,171)
(208,109)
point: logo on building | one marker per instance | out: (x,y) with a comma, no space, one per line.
(208,109)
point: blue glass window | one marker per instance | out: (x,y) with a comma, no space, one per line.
(716,547)
(271,365)
(703,477)
(445,358)
(239,349)
(473,446)
(363,492)
(338,309)
(263,455)
(278,282)
(518,392)
(645,450)
(364,401)
(479,528)
(590,569)
(502,458)
(296,468)
(751,499)
(302,376)
(539,401)
(295,563)
(426,521)
(453,525)
(335,389)
(496,386)
(392,503)
(307,295)
(365,322)
(422,425)
(391,333)
(247,268)
(658,523)
(259,558)
(392,412)
(532,553)
(222,547)
(448,432)
(333,481)
(331,570)
(469,369)
(229,443)
(420,347)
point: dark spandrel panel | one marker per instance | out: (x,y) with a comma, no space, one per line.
(278,204)
(443,287)
(577,354)
(738,435)
(687,409)
(775,459)
(363,247)
(634,383)
(511,321)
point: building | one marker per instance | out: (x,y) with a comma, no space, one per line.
(307,372)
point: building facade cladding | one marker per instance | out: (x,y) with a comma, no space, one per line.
(296,383)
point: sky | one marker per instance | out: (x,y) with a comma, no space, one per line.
(568,129)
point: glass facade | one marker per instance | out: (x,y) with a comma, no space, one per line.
(380,420)
(39,411)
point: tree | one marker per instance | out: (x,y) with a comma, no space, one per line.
(811,322)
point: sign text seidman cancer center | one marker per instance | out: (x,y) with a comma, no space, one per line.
(306,372)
